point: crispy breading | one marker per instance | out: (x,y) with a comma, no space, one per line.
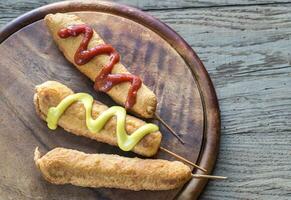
(51,93)
(146,100)
(63,166)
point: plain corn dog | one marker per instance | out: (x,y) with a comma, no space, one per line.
(66,166)
(146,101)
(51,93)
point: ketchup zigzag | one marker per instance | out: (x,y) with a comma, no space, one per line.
(105,80)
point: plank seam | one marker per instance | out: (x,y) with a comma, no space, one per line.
(214,6)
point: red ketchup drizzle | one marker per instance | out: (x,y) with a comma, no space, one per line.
(105,80)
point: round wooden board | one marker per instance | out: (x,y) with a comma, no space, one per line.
(149,48)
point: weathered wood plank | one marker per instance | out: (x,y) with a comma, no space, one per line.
(12,9)
(180,4)
(247,53)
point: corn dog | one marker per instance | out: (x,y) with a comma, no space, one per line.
(63,166)
(143,99)
(51,93)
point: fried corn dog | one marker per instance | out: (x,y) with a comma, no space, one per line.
(73,120)
(63,166)
(145,101)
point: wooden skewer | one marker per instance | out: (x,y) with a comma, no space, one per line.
(208,176)
(182,159)
(157,117)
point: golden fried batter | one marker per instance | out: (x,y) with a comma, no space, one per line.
(63,166)
(146,101)
(73,120)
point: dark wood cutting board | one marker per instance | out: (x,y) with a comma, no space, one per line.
(149,48)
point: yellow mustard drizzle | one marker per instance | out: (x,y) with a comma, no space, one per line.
(125,142)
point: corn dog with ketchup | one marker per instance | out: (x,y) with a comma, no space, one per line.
(84,48)
(63,166)
(142,138)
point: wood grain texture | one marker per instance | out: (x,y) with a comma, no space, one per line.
(247,52)
(148,5)
(13,8)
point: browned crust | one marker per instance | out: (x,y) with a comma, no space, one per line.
(63,166)
(73,120)
(146,100)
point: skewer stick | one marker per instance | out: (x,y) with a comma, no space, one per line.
(157,117)
(208,176)
(182,159)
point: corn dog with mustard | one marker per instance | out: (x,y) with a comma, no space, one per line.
(80,115)
(66,166)
(84,48)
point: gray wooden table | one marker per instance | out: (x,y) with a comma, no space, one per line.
(246,48)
